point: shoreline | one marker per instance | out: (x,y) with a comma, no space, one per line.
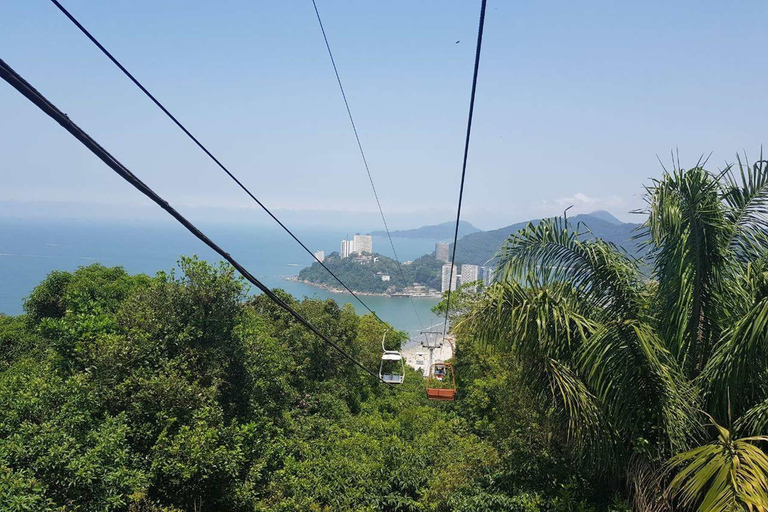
(333,289)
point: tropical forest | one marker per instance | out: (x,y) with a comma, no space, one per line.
(587,379)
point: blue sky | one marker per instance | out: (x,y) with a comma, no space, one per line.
(575,102)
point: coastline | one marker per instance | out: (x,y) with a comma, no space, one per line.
(334,289)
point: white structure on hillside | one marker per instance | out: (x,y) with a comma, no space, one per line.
(347,248)
(469,273)
(320,255)
(385,277)
(363,244)
(448,279)
(441,252)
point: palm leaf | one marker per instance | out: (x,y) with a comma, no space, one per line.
(639,383)
(551,251)
(532,321)
(736,371)
(755,419)
(746,194)
(725,475)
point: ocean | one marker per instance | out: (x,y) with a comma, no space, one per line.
(30,249)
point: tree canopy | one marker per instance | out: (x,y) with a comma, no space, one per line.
(180,392)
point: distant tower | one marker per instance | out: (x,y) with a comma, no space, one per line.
(488,274)
(447,278)
(347,248)
(469,273)
(363,243)
(441,252)
(320,255)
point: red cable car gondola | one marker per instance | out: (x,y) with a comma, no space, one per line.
(441,382)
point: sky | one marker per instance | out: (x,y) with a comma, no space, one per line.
(576,104)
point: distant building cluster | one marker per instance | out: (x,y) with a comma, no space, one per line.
(468,274)
(360,249)
(360,244)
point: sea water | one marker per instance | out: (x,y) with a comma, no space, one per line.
(30,249)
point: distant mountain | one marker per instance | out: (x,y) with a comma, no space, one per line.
(442,231)
(478,248)
(606,216)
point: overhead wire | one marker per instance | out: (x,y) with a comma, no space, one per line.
(27,90)
(199,144)
(464,162)
(362,153)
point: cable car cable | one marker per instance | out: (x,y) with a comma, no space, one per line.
(362,153)
(466,153)
(26,89)
(205,150)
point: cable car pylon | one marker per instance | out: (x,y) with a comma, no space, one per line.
(431,341)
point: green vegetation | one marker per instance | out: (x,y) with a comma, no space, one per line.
(181,393)
(478,248)
(629,365)
(366,278)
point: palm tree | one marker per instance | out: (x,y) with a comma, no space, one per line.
(629,352)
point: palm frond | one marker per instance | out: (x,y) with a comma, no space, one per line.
(552,251)
(746,194)
(734,378)
(587,426)
(723,476)
(755,420)
(639,383)
(531,321)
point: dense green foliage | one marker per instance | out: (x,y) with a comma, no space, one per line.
(367,277)
(628,364)
(179,392)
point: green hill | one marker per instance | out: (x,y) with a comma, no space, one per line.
(478,248)
(442,231)
(367,277)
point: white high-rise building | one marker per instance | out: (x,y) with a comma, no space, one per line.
(363,244)
(448,279)
(469,273)
(320,255)
(488,273)
(441,252)
(347,248)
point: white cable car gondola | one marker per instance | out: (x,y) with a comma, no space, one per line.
(392,367)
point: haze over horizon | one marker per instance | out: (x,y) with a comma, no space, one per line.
(574,105)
